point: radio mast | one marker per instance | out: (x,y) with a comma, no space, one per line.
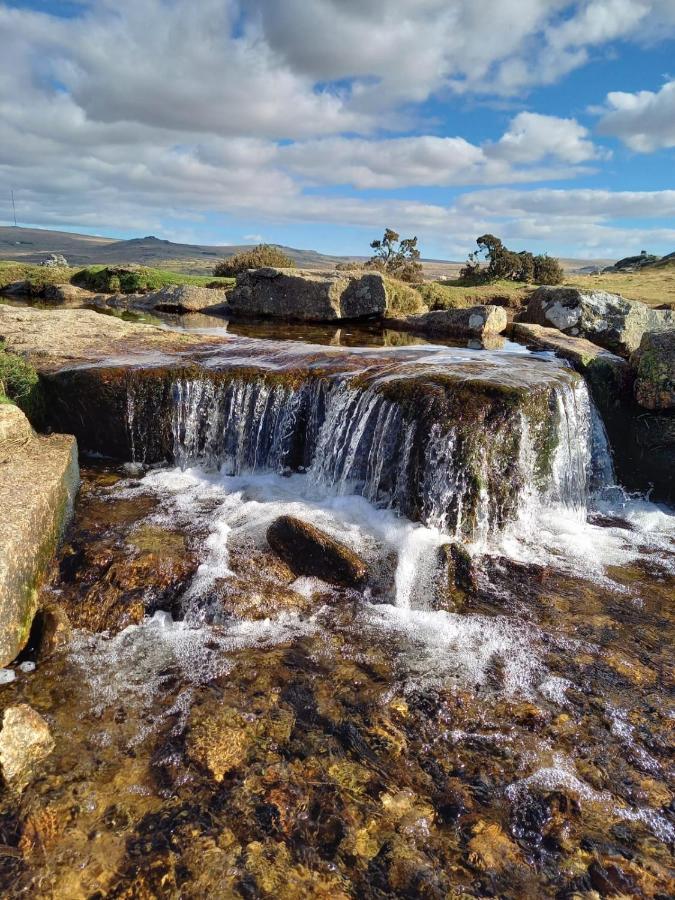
(14,208)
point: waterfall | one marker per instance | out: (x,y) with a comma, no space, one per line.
(354,437)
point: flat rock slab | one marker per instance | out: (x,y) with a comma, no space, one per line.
(308,296)
(473,321)
(37,490)
(606,319)
(180,298)
(60,337)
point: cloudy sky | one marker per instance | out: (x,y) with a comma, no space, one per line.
(315,123)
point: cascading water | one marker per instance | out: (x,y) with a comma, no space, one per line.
(353,438)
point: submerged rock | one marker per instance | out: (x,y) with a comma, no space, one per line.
(25,740)
(310,551)
(654,366)
(607,319)
(37,490)
(309,296)
(475,321)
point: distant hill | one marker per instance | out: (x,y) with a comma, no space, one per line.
(32,245)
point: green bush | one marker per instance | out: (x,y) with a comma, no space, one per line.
(20,384)
(255,258)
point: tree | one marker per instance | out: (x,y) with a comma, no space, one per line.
(397,257)
(255,258)
(492,261)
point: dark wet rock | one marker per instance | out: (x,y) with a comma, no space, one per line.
(310,551)
(38,483)
(474,321)
(606,319)
(51,630)
(457,577)
(654,366)
(25,741)
(309,296)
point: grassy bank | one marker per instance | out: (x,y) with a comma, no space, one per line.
(127,279)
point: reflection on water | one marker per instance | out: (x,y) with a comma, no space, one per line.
(238,732)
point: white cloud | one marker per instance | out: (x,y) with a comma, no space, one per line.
(532,137)
(644,121)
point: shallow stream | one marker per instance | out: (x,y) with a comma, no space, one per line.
(226,729)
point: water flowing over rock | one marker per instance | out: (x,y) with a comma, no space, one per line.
(460,440)
(308,296)
(606,319)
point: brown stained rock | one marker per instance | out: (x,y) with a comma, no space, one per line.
(310,551)
(53,630)
(25,740)
(491,849)
(37,491)
(15,431)
(179,298)
(68,295)
(294,294)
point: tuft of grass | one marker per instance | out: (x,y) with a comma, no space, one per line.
(20,384)
(138,279)
(402,297)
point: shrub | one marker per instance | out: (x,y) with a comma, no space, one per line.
(505,264)
(255,258)
(547,270)
(20,383)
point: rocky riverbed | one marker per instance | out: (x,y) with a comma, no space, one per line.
(338,622)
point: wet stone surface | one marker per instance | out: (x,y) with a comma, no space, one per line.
(288,739)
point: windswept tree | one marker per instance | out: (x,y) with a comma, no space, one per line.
(400,258)
(492,261)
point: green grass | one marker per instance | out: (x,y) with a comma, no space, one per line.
(20,384)
(138,279)
(38,277)
(454,294)
(403,298)
(652,285)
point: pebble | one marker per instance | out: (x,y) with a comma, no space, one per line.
(7,675)
(27,666)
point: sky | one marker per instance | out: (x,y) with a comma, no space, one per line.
(318,123)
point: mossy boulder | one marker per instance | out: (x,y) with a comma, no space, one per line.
(654,366)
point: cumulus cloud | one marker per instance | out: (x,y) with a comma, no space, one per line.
(135,112)
(644,121)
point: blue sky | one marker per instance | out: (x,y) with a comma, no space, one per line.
(550,123)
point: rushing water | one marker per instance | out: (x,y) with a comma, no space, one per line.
(225,728)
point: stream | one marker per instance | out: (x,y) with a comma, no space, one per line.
(227,728)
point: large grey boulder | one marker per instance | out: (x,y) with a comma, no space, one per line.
(606,319)
(654,366)
(39,477)
(473,321)
(309,296)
